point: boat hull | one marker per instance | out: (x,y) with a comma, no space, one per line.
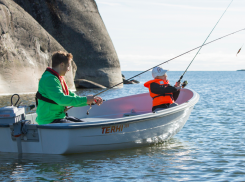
(101,133)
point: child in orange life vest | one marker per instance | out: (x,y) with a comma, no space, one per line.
(164,95)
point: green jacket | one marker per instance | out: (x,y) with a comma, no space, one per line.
(50,87)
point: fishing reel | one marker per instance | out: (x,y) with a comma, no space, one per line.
(93,103)
(184,84)
(90,107)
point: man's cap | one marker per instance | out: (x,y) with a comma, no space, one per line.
(158,71)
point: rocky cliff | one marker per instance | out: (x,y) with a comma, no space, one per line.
(25,50)
(78,27)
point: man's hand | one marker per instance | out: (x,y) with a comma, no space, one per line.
(96,100)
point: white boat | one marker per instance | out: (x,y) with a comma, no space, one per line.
(119,123)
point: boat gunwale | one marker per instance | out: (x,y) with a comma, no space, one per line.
(132,119)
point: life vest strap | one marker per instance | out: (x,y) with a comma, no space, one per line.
(171,95)
(40,97)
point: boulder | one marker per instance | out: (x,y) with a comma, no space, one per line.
(79,28)
(125,81)
(83,83)
(25,50)
(135,81)
(130,81)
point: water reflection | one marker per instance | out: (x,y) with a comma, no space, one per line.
(111,164)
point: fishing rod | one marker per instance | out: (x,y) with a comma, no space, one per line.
(203,43)
(171,60)
(168,61)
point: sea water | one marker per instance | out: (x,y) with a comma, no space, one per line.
(210,147)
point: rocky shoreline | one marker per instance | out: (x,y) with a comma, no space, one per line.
(83,83)
(32,30)
(126,81)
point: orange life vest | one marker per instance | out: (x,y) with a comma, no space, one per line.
(159,99)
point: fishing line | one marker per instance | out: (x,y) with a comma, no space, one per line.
(169,61)
(204,42)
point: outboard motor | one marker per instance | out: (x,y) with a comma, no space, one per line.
(12,114)
(14,117)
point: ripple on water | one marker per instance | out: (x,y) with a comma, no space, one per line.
(210,147)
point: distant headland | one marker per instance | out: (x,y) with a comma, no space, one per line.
(241,70)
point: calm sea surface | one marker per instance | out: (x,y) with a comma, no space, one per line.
(210,147)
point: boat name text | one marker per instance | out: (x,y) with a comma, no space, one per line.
(114,129)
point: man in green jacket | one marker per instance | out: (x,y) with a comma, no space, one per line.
(53,94)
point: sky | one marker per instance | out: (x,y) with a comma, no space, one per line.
(146,33)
